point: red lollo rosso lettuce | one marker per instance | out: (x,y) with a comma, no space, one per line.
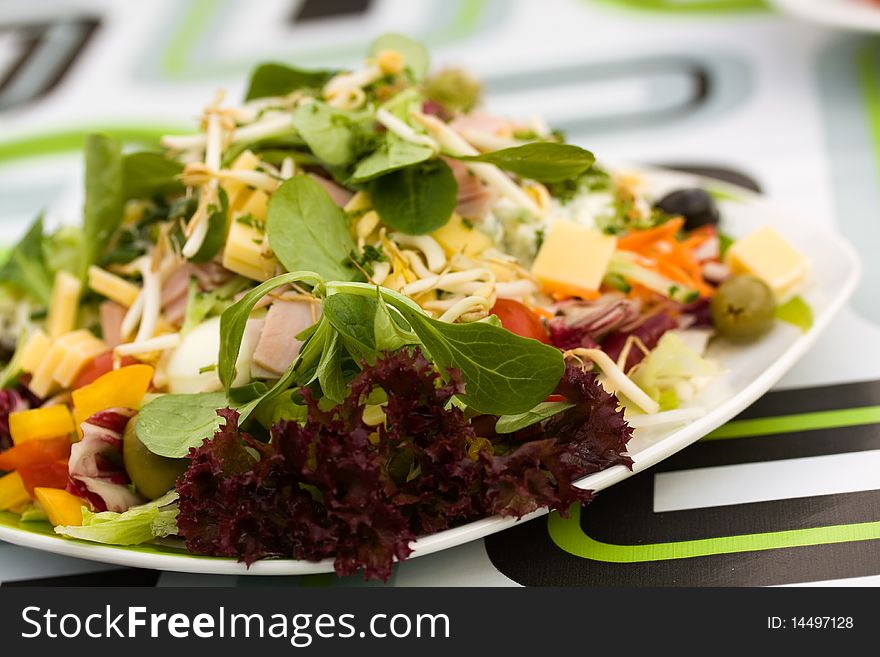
(338,487)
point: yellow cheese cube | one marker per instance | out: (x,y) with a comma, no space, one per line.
(573,259)
(247,161)
(245,252)
(360,202)
(112,286)
(35,351)
(459,236)
(40,423)
(63,304)
(76,358)
(43,381)
(254,204)
(767,255)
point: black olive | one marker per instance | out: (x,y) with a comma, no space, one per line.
(696,206)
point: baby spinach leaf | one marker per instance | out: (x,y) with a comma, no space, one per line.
(394,154)
(148,174)
(172,424)
(503,373)
(279,80)
(26,266)
(542,161)
(234,319)
(104,196)
(415,55)
(216,235)
(329,371)
(390,335)
(282,407)
(511,423)
(330,133)
(352,317)
(312,350)
(416,200)
(308,231)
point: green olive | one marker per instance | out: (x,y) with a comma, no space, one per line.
(151,474)
(743,307)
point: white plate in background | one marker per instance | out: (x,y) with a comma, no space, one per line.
(860,15)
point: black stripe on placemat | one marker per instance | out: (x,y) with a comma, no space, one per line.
(808,400)
(116,577)
(310,10)
(777,447)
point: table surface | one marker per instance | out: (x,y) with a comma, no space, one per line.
(722,86)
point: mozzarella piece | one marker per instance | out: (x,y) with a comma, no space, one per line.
(573,259)
(192,366)
(769,256)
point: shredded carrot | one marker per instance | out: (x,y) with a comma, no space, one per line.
(698,237)
(638,240)
(540,312)
(658,249)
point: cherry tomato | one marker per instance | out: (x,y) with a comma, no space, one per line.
(98,366)
(517,318)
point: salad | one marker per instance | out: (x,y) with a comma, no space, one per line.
(353,310)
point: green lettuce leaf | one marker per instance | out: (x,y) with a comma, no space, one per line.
(156,519)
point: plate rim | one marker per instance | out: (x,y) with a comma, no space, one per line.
(687,435)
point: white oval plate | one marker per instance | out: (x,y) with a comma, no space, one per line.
(860,15)
(749,372)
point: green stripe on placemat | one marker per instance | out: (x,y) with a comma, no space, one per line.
(765,426)
(569,536)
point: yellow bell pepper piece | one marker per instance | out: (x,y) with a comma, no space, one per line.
(63,508)
(12,491)
(122,388)
(40,423)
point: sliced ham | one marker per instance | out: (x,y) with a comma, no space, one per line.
(175,292)
(209,275)
(112,314)
(278,347)
(474,198)
(176,284)
(480,121)
(340,195)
